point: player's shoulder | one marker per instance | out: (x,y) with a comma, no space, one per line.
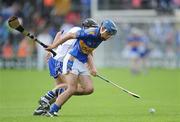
(74,29)
(92,31)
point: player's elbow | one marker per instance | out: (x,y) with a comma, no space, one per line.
(90,90)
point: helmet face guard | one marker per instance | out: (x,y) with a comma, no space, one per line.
(111,32)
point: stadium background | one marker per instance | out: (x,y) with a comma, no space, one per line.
(24,76)
(158,19)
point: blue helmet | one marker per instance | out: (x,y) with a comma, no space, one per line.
(110,26)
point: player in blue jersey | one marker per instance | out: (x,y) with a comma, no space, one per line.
(138,50)
(55,68)
(75,62)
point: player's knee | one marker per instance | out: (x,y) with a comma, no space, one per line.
(89,90)
(72,89)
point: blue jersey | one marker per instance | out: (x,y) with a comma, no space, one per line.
(135,42)
(135,39)
(87,41)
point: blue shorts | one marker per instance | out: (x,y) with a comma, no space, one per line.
(55,67)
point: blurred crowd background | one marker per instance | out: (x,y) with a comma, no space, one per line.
(45,18)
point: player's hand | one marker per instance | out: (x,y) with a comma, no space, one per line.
(50,47)
(93,72)
(47,56)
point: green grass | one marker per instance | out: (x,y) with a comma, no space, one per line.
(160,89)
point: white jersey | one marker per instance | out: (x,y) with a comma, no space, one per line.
(63,49)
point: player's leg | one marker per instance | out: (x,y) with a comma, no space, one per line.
(144,56)
(51,95)
(134,62)
(71,80)
(49,98)
(59,80)
(85,85)
(70,77)
(46,100)
(60,87)
(55,69)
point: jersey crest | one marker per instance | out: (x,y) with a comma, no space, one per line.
(85,48)
(91,32)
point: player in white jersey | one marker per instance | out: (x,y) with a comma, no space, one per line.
(55,68)
(55,63)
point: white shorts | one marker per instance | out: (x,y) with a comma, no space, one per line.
(78,68)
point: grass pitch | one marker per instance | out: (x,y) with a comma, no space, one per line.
(159,89)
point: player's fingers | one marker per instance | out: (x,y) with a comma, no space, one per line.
(48,48)
(94,73)
(47,57)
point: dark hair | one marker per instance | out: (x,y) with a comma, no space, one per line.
(89,22)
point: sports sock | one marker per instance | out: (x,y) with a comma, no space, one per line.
(50,95)
(54,108)
(59,91)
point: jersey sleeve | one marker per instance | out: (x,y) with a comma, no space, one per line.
(74,30)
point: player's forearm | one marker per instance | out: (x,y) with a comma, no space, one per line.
(63,39)
(91,62)
(57,37)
